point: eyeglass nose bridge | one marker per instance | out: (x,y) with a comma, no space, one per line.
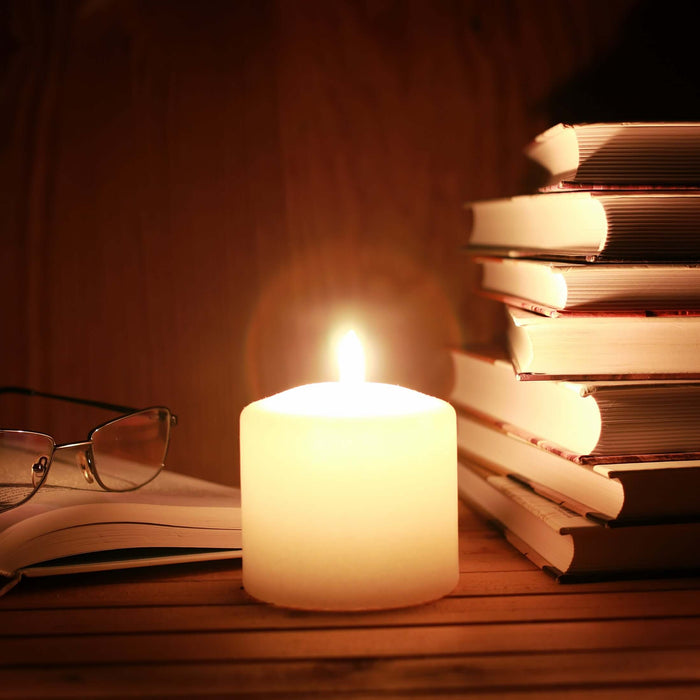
(84,458)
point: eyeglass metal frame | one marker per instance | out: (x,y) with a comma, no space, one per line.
(40,469)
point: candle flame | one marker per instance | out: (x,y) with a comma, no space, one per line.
(351,358)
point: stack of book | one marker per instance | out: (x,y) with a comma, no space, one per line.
(581,437)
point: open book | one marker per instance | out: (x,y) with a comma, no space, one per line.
(70,529)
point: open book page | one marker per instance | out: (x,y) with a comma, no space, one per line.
(173,511)
(169,492)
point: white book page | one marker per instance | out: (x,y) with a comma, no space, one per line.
(556,517)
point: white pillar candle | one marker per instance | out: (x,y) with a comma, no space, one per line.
(349,496)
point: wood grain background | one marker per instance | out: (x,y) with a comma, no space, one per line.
(197,195)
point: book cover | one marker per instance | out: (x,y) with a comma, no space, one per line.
(573,547)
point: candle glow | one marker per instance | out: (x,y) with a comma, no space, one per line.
(351,358)
(349,493)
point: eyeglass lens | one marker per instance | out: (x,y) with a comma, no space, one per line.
(130,451)
(24,458)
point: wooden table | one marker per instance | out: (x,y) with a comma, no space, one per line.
(507,631)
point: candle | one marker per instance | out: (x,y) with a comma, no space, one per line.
(349,494)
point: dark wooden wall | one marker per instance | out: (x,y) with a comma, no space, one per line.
(196,194)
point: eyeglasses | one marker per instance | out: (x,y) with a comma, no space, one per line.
(122,454)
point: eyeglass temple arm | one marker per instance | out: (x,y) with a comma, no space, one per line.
(85,402)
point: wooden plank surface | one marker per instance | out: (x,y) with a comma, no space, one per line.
(648,674)
(508,630)
(631,605)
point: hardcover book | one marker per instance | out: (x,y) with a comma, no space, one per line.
(556,288)
(570,546)
(606,347)
(654,154)
(640,487)
(585,418)
(591,226)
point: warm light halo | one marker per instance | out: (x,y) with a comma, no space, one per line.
(351,359)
